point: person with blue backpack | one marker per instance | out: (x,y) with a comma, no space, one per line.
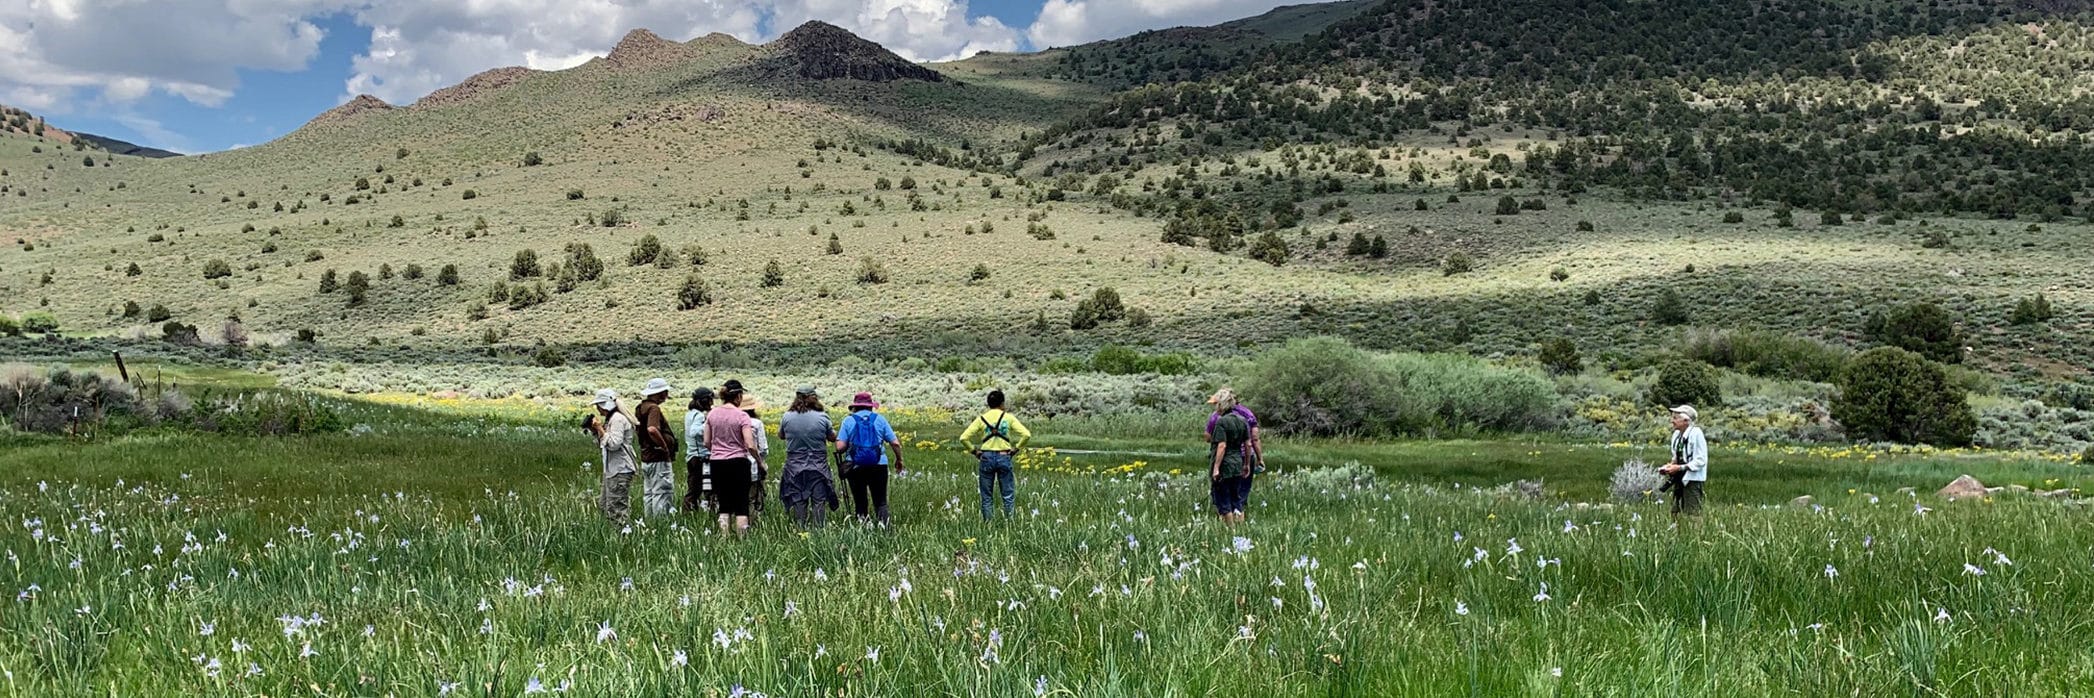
(1002,436)
(864,440)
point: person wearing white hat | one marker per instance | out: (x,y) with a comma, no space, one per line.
(1690,462)
(657,450)
(613,432)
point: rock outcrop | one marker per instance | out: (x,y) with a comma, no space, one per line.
(645,49)
(361,105)
(823,51)
(475,87)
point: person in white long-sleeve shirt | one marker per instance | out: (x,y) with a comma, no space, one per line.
(613,432)
(1690,460)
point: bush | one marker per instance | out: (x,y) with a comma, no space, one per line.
(359,288)
(612,219)
(267,414)
(1766,354)
(1890,394)
(549,356)
(1734,217)
(2030,311)
(524,265)
(217,269)
(1559,274)
(412,272)
(59,401)
(159,313)
(1922,328)
(1669,308)
(1104,304)
(1686,382)
(1457,263)
(1122,361)
(9,327)
(178,333)
(1270,249)
(447,276)
(582,260)
(1326,386)
(469,195)
(644,251)
(1508,206)
(40,323)
(2086,457)
(532,159)
(871,271)
(694,294)
(1635,481)
(1559,356)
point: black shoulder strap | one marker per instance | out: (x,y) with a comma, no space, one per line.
(995,429)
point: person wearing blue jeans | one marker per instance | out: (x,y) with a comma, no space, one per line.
(1001,437)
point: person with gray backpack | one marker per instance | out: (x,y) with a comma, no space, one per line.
(1001,437)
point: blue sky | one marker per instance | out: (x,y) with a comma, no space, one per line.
(208,75)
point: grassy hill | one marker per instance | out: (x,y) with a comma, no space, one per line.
(1532,185)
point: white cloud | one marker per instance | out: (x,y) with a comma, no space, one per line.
(153,134)
(118,51)
(60,55)
(1070,22)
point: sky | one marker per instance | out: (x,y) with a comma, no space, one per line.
(198,76)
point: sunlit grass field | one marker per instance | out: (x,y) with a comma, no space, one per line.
(459,553)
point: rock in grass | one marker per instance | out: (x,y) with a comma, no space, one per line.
(1964,487)
(1802,502)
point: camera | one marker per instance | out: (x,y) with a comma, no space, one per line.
(1673,481)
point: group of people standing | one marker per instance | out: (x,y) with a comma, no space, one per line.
(727,454)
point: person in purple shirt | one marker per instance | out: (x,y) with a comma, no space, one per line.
(1256,448)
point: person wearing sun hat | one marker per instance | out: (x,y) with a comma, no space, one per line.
(1690,461)
(860,438)
(657,449)
(761,456)
(613,432)
(807,488)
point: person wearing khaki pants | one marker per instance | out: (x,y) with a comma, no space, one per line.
(613,432)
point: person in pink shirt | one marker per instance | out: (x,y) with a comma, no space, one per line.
(730,434)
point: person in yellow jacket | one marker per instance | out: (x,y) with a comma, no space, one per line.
(1001,437)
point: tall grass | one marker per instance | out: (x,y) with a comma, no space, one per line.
(1116,586)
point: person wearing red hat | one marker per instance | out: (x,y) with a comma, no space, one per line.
(860,439)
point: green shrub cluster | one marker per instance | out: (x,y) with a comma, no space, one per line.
(1327,386)
(1686,382)
(1890,394)
(1766,354)
(1922,328)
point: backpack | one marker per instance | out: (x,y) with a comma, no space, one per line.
(996,429)
(865,439)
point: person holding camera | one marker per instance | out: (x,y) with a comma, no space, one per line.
(1689,468)
(613,433)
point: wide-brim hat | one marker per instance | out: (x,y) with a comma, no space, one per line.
(865,400)
(1686,411)
(807,390)
(750,403)
(1221,396)
(655,387)
(605,398)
